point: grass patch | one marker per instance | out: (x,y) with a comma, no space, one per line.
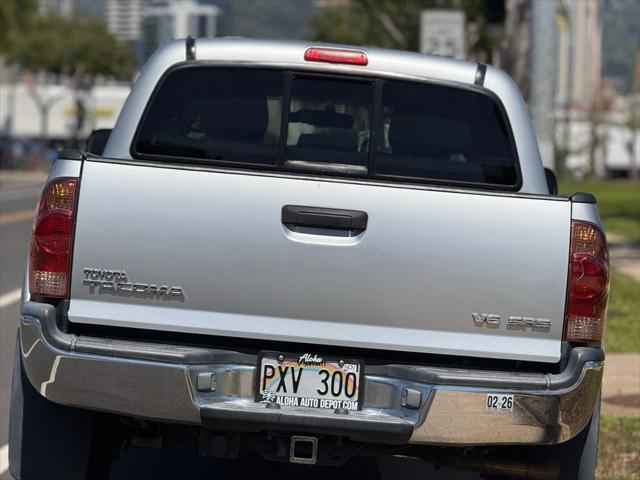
(623,329)
(619,449)
(618,203)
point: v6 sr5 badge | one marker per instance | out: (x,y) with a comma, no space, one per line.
(514,322)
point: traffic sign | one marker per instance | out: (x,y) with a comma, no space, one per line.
(442,33)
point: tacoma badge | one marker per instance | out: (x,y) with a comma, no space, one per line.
(116,282)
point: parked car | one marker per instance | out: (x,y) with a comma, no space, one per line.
(314,252)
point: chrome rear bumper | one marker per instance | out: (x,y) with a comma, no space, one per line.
(158,381)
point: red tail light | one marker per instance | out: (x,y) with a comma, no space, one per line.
(588,290)
(335,55)
(49,265)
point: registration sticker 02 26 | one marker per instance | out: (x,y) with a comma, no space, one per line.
(497,402)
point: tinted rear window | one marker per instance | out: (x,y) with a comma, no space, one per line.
(335,125)
(215,114)
(430,131)
(329,122)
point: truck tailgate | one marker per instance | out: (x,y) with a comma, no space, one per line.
(411,281)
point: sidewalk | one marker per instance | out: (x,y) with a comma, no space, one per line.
(621,385)
(625,256)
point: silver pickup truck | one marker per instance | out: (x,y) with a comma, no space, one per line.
(313,252)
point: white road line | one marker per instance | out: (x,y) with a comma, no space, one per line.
(8,298)
(4,459)
(17,216)
(20,194)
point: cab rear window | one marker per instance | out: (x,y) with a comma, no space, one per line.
(215,114)
(332,125)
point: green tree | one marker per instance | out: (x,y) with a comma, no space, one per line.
(14,15)
(79,50)
(396,24)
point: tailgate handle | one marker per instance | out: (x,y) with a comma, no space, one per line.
(331,218)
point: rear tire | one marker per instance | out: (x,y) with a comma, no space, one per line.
(46,440)
(578,456)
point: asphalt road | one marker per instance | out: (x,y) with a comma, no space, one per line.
(17,204)
(18,197)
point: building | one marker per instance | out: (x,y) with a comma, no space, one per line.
(636,73)
(63,8)
(123,18)
(579,58)
(103,106)
(592,117)
(169,19)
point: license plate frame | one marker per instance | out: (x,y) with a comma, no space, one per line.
(332,364)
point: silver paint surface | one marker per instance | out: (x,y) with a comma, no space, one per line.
(409,282)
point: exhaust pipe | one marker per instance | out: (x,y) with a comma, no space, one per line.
(497,465)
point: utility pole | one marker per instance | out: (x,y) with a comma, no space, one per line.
(543,76)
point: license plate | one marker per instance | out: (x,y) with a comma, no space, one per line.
(309,380)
